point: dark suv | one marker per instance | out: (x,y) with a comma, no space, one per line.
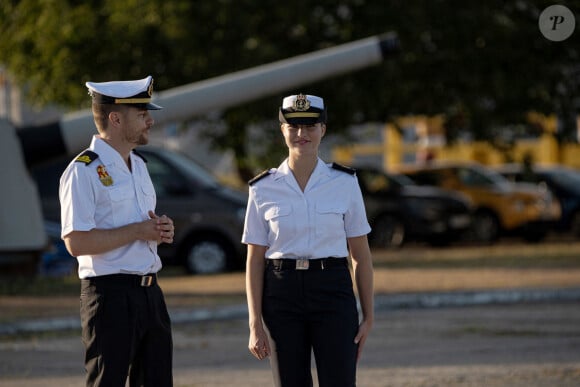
(400,210)
(208,216)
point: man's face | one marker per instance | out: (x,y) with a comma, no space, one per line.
(137,123)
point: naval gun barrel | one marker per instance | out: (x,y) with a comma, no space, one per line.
(72,133)
(23,233)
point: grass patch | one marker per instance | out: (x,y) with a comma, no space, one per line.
(55,286)
(518,262)
(39,286)
(42,335)
(555,255)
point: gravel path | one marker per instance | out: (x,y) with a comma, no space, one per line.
(529,342)
(527,345)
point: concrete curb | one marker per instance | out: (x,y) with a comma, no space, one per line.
(383,302)
(472,298)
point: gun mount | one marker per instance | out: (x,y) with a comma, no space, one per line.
(21,228)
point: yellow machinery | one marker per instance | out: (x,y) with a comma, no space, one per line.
(427,142)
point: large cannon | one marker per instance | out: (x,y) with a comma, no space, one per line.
(21,227)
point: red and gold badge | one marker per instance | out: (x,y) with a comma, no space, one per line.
(104,176)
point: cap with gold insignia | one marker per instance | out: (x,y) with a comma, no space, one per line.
(136,93)
(302,109)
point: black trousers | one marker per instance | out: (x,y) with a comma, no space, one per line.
(126,332)
(311,311)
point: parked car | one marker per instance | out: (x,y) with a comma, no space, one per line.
(400,210)
(208,216)
(55,260)
(501,207)
(563,182)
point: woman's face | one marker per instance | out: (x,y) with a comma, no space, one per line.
(303,139)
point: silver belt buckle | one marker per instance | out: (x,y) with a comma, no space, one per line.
(302,264)
(146,281)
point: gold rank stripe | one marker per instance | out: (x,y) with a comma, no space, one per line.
(132,100)
(299,115)
(84,159)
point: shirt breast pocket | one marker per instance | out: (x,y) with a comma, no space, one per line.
(329,220)
(122,206)
(149,197)
(279,219)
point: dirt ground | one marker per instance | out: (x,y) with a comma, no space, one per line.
(415,269)
(186,292)
(531,344)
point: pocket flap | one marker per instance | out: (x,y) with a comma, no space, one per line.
(276,211)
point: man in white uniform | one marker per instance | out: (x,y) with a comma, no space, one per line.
(109,223)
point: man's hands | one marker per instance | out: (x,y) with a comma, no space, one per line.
(163,229)
(99,241)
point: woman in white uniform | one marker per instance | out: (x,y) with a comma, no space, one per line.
(303,220)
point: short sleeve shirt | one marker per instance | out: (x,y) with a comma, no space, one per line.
(105,194)
(307,225)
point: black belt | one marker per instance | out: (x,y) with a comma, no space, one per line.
(305,264)
(124,280)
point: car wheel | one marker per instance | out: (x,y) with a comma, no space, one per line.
(440,241)
(485,227)
(388,232)
(206,256)
(535,235)
(575,224)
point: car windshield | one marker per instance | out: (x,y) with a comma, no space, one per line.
(403,180)
(375,181)
(481,177)
(184,163)
(567,178)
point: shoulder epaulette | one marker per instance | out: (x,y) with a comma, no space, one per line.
(140,155)
(87,157)
(343,168)
(259,177)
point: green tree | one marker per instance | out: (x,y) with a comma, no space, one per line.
(484,64)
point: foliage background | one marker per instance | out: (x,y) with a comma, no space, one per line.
(483,64)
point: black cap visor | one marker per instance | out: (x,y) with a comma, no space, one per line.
(152,106)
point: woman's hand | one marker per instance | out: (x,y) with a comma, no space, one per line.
(361,337)
(259,345)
